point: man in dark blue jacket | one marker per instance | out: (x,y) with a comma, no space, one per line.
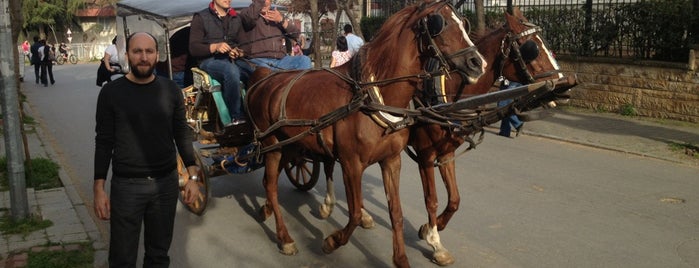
(214,40)
(36,58)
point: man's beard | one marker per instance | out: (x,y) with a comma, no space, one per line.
(139,74)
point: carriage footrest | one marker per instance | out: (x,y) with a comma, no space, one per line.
(235,135)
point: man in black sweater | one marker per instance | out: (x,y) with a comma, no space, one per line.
(141,127)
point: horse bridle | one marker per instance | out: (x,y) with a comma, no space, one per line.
(510,44)
(426,35)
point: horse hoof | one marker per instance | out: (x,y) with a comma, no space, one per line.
(422,233)
(289,249)
(367,222)
(443,258)
(325,211)
(328,246)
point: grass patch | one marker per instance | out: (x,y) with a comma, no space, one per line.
(42,174)
(688,149)
(23,226)
(61,258)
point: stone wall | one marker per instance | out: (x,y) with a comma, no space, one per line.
(652,89)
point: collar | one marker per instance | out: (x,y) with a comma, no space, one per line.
(231,12)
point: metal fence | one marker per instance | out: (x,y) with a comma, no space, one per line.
(638,29)
(88,51)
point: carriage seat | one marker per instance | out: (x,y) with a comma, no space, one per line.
(204,83)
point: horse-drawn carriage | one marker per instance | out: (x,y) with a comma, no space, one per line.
(361,114)
(167,23)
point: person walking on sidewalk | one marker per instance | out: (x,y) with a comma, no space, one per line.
(36,58)
(511,121)
(141,127)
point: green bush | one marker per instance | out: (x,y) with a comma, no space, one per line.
(371,25)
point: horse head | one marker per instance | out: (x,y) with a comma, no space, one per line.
(432,29)
(530,60)
(451,47)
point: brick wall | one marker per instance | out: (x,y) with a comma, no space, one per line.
(653,89)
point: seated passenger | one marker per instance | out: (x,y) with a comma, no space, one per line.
(214,39)
(264,50)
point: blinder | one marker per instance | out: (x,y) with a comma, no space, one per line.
(435,24)
(529,50)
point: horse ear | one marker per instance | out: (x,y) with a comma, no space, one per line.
(435,24)
(529,50)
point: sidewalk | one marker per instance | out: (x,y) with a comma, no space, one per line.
(633,135)
(63,206)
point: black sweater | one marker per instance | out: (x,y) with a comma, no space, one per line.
(136,127)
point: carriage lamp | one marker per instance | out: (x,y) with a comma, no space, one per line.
(70,36)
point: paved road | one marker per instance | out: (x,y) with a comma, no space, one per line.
(526,202)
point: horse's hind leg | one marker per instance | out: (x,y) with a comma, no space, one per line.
(329,202)
(271,180)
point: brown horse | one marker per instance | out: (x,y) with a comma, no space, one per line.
(329,112)
(506,56)
(505,50)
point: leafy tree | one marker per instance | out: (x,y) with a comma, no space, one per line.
(48,16)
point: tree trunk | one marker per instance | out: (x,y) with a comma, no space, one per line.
(315,26)
(480,17)
(352,17)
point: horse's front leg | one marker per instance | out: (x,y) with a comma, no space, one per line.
(390,171)
(428,231)
(448,172)
(271,206)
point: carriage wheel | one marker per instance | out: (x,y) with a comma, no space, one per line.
(303,172)
(199,205)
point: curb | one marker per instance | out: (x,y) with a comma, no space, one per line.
(98,244)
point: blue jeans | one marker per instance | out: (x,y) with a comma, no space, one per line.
(300,62)
(511,121)
(136,201)
(178,77)
(228,73)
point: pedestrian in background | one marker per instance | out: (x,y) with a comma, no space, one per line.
(511,121)
(25,49)
(36,58)
(342,54)
(141,127)
(48,56)
(354,42)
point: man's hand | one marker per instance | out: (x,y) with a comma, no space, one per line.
(273,15)
(191,192)
(235,53)
(221,48)
(102,206)
(191,188)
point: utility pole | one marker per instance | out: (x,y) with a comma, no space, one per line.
(10,113)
